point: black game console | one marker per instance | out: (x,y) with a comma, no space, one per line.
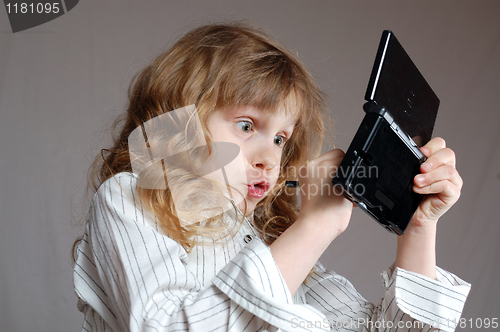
(378,169)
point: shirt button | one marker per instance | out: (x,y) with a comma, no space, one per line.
(247,238)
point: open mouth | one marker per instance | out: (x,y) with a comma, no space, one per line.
(257,190)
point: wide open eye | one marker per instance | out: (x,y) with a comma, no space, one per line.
(245,126)
(279,140)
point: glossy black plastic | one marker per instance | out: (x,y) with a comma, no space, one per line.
(378,169)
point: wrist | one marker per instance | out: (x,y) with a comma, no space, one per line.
(330,220)
(426,229)
(421,237)
(416,249)
(325,226)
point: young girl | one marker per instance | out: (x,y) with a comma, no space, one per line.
(165,258)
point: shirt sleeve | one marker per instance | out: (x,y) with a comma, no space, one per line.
(134,278)
(412,302)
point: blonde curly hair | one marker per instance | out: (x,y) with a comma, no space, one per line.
(215,67)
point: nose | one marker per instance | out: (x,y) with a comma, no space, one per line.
(264,156)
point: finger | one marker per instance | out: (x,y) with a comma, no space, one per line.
(444,188)
(324,166)
(441,157)
(331,158)
(444,172)
(332,154)
(434,145)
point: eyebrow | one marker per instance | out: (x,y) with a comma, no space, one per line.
(265,112)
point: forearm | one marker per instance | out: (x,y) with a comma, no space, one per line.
(324,214)
(299,248)
(440,182)
(416,250)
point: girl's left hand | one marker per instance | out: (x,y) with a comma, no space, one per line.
(439,179)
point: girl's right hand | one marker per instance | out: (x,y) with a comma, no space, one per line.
(320,202)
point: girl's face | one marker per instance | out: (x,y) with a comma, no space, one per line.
(261,137)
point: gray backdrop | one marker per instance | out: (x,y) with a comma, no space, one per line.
(62,84)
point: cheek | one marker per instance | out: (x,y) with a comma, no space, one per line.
(274,174)
(229,172)
(224,134)
(220,134)
(219,129)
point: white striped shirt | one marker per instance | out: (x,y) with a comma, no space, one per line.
(129,276)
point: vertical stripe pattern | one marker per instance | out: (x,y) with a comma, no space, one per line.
(129,276)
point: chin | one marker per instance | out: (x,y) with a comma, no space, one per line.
(250,207)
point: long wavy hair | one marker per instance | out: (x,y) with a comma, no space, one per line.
(216,67)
